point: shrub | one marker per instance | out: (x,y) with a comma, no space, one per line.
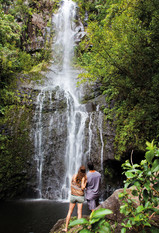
(144,181)
(96,222)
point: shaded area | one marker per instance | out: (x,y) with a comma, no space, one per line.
(32,216)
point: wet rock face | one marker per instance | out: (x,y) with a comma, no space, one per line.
(37,32)
(102,132)
(48,134)
(54,145)
(51,120)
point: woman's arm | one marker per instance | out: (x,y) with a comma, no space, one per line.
(83,183)
(74,178)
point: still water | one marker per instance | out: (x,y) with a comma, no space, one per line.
(32,216)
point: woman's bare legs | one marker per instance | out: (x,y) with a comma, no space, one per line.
(79,210)
(71,208)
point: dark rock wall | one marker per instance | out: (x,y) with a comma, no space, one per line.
(54,139)
(25,127)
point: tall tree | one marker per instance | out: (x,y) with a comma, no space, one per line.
(122,52)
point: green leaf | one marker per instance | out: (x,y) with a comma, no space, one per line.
(156,186)
(84,231)
(127,164)
(143,162)
(134,192)
(155,165)
(127,184)
(145,195)
(155,210)
(121,195)
(139,209)
(155,200)
(93,220)
(102,223)
(150,145)
(147,224)
(135,170)
(149,156)
(80,221)
(147,204)
(104,229)
(123,230)
(137,184)
(129,175)
(147,185)
(100,213)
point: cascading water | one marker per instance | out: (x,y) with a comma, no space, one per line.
(76,114)
(38,141)
(64,76)
(90,136)
(100,119)
(65,133)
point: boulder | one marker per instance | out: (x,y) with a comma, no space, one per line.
(60,225)
(113,203)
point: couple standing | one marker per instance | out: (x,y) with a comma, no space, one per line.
(80,182)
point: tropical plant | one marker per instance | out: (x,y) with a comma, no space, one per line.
(96,222)
(120,52)
(143,179)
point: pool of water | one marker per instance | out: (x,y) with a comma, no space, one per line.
(33,216)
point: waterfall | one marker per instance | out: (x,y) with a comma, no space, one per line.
(90,135)
(61,81)
(66,79)
(100,127)
(38,141)
(100,121)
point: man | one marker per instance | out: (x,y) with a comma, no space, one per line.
(92,187)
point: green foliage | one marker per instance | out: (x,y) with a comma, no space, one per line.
(9,29)
(15,21)
(96,222)
(95,9)
(15,34)
(9,39)
(121,52)
(144,182)
(14,150)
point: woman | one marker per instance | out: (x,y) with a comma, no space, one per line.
(78,184)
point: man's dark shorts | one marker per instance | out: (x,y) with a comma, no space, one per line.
(92,204)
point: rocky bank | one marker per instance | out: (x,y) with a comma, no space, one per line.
(113,203)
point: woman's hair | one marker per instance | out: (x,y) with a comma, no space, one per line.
(81,173)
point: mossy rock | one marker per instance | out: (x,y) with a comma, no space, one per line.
(61,224)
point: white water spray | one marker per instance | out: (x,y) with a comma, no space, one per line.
(100,121)
(66,79)
(64,76)
(69,121)
(38,141)
(90,135)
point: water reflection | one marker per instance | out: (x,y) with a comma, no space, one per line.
(32,216)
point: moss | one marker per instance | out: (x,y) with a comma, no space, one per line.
(14,150)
